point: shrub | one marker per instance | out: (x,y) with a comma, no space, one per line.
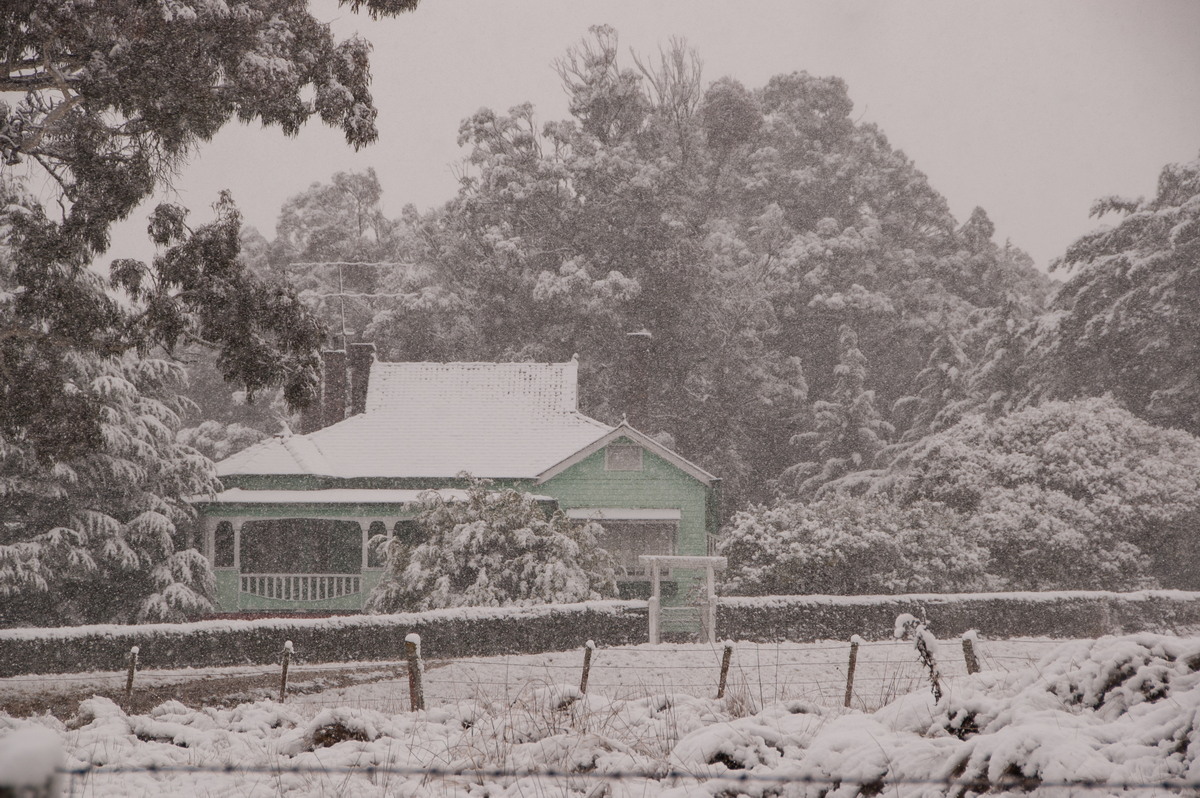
(848,545)
(1067,495)
(495,548)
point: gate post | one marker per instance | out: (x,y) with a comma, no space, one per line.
(655,602)
(708,620)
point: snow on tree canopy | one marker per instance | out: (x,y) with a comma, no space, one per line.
(496,548)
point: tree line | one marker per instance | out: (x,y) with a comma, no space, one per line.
(748,274)
(770,287)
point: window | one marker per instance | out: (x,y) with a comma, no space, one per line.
(623,458)
(223,546)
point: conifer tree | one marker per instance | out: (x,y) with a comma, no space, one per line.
(848,429)
(1126,322)
(998,380)
(942,388)
(100,532)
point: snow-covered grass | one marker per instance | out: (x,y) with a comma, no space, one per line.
(1123,709)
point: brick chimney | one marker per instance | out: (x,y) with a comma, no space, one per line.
(361,356)
(334,391)
(310,417)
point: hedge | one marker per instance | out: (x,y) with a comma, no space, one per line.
(445,634)
(488,631)
(997,615)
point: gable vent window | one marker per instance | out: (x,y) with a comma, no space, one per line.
(623,458)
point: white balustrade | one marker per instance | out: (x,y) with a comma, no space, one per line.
(301,587)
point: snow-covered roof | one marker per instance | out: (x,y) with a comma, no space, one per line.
(438,420)
(334,496)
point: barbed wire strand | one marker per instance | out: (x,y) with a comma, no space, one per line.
(1025,783)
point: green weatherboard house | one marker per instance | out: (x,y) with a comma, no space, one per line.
(289,531)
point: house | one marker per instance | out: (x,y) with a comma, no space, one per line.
(289,531)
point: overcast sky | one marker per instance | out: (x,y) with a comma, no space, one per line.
(1029,108)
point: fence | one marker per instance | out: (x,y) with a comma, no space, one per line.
(601,781)
(858,672)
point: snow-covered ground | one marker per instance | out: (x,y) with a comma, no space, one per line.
(1119,709)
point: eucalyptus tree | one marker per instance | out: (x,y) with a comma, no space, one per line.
(100,104)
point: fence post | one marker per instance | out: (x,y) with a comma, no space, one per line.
(725,657)
(133,663)
(968,645)
(588,648)
(855,640)
(287,657)
(416,690)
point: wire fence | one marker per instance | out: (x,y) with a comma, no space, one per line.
(875,784)
(760,673)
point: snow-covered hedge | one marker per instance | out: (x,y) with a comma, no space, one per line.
(451,633)
(484,631)
(1075,613)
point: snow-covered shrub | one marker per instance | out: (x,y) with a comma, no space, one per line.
(908,627)
(1068,495)
(848,545)
(495,548)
